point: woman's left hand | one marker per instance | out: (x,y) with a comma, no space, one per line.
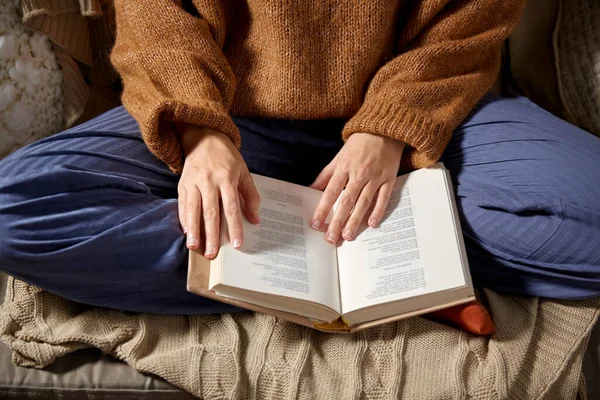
(367,167)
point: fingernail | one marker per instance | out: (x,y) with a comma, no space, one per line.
(331,237)
(209,251)
(316,224)
(372,222)
(192,241)
(347,234)
(237,243)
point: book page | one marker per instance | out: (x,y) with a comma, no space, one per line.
(284,255)
(413,252)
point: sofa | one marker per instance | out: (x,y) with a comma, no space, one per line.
(538,62)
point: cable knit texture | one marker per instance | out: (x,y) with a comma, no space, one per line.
(407,70)
(535,353)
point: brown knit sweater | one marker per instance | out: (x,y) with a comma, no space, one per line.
(410,70)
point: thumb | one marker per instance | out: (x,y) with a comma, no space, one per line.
(324,177)
(251,199)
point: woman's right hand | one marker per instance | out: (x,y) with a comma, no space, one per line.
(213,169)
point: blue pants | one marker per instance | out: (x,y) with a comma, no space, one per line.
(91,215)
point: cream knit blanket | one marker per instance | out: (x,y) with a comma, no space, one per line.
(536,352)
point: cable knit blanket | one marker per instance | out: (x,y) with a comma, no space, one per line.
(535,353)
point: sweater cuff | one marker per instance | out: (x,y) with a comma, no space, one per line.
(426,139)
(162,138)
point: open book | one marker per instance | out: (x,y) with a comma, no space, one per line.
(413,263)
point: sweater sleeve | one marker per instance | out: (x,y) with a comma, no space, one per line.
(448,57)
(173,70)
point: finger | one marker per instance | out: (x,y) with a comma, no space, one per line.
(360,209)
(210,216)
(181,200)
(343,210)
(385,191)
(330,195)
(233,214)
(193,206)
(251,199)
(324,177)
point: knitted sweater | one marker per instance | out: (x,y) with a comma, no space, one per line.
(409,70)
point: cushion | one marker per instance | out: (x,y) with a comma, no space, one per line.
(82,34)
(578,60)
(531,55)
(30,84)
(591,365)
(84,374)
(3,281)
(553,58)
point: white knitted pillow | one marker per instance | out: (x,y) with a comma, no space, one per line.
(30,83)
(578,62)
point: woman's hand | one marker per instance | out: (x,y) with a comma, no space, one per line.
(213,169)
(367,166)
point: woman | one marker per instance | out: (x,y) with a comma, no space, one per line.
(334,93)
